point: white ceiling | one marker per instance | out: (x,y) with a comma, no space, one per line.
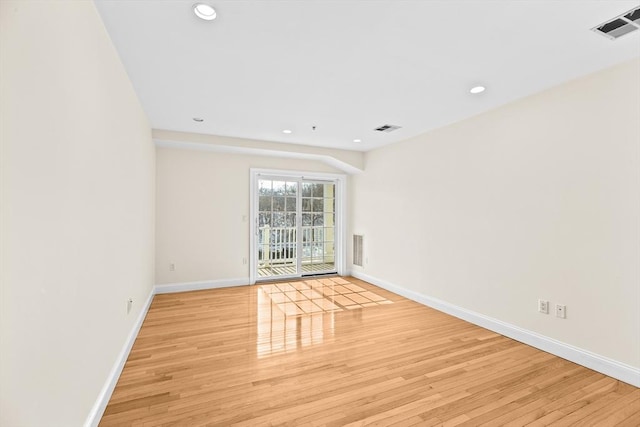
(350,66)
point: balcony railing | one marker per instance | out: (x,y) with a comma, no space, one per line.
(278,246)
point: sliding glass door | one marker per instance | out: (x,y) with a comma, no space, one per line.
(295,227)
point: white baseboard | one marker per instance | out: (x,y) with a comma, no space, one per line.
(170,288)
(105,394)
(610,367)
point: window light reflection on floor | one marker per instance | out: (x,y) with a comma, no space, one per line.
(299,314)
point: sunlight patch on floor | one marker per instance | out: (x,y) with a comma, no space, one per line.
(320,295)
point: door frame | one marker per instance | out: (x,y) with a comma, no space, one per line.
(340,212)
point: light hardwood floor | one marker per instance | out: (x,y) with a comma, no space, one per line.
(351,354)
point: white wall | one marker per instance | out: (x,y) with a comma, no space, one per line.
(201,200)
(537,199)
(77,217)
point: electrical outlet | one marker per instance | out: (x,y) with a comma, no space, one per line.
(129,305)
(172,267)
(561,311)
(543,306)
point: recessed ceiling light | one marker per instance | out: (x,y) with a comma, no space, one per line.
(286,131)
(204,11)
(477,89)
(198,119)
(357,140)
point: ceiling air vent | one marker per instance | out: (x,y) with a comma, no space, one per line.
(387,128)
(617,27)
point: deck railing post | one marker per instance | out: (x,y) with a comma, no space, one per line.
(266,244)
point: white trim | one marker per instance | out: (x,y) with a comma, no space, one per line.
(341,231)
(297,174)
(170,288)
(341,212)
(112,379)
(253,227)
(329,160)
(610,367)
(253,215)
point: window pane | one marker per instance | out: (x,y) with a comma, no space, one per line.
(264,219)
(306,219)
(264,187)
(329,234)
(306,250)
(306,189)
(306,205)
(318,219)
(292,188)
(329,253)
(318,190)
(329,218)
(329,205)
(264,203)
(278,204)
(318,205)
(278,219)
(291,220)
(318,234)
(263,252)
(317,252)
(291,204)
(279,188)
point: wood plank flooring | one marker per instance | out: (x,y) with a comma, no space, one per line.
(232,357)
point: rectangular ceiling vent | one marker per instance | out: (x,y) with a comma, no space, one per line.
(387,128)
(620,25)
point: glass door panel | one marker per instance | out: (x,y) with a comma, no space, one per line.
(277,228)
(318,227)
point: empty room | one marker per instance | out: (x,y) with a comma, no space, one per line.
(319,213)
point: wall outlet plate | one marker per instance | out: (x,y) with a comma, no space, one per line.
(543,306)
(561,311)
